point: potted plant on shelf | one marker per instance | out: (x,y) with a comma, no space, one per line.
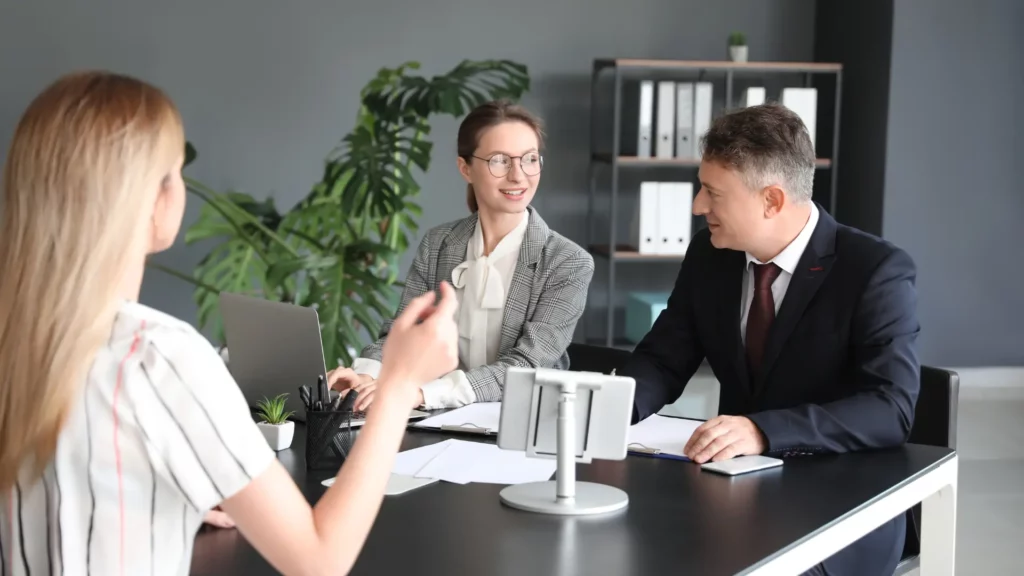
(738,47)
(338,249)
(274,422)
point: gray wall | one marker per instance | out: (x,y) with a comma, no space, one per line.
(954,168)
(859,35)
(268,88)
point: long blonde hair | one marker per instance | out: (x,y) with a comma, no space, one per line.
(79,185)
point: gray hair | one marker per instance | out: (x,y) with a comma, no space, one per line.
(766,144)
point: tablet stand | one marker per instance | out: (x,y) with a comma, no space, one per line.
(565,496)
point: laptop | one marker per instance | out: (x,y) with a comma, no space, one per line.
(275,347)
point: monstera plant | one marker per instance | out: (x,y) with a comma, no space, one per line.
(337,250)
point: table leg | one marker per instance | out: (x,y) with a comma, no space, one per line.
(938,526)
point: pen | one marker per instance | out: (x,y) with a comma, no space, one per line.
(306,396)
(349,401)
(655,453)
(322,390)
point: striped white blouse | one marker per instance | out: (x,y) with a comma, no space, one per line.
(159,434)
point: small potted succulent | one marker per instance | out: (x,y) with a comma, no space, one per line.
(738,47)
(274,422)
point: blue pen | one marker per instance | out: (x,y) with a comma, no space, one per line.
(656,453)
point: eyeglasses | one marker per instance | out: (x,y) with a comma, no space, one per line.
(500,164)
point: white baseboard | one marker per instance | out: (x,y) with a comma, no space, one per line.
(991,376)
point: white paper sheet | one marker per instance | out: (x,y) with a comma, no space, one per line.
(669,435)
(464,462)
(410,462)
(478,415)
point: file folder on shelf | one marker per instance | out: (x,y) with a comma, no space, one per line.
(647,243)
(753,96)
(637,129)
(645,119)
(804,102)
(675,205)
(685,145)
(665,119)
(702,94)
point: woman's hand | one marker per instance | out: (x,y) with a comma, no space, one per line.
(423,345)
(218,518)
(366,394)
(343,379)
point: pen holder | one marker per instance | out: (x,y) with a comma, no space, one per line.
(329,439)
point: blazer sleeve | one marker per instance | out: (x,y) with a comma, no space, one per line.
(546,335)
(416,283)
(669,355)
(886,375)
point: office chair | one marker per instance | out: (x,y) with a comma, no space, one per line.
(588,358)
(934,425)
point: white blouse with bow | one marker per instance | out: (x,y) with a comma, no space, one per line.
(481,283)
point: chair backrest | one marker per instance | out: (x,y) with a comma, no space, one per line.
(588,358)
(935,413)
(935,419)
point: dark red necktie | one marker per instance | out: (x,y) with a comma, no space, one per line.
(761,314)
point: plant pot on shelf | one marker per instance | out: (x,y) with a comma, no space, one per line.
(738,53)
(279,436)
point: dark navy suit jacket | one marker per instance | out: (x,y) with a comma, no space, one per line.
(840,370)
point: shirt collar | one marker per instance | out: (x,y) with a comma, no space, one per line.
(790,256)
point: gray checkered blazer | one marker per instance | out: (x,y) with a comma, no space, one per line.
(546,298)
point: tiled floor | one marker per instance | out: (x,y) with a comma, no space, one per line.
(990,509)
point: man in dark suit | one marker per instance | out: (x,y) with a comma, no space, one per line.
(810,326)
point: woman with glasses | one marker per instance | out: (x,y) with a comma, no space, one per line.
(521,286)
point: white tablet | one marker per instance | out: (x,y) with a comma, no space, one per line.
(741,465)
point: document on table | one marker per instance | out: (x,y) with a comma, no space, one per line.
(477,417)
(410,462)
(463,462)
(662,434)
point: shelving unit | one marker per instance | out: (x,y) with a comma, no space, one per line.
(683,70)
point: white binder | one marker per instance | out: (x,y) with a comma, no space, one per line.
(675,206)
(647,242)
(646,119)
(666,119)
(754,96)
(804,102)
(685,145)
(702,94)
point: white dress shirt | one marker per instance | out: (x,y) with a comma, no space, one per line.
(787,260)
(481,284)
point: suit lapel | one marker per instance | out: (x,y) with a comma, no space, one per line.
(815,264)
(453,250)
(730,288)
(517,301)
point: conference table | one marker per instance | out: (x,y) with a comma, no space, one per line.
(680,519)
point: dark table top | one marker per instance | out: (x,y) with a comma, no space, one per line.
(678,517)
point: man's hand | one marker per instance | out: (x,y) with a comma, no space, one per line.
(724,437)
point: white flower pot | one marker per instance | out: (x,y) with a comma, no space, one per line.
(279,436)
(738,53)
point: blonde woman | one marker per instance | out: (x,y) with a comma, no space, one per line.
(119,426)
